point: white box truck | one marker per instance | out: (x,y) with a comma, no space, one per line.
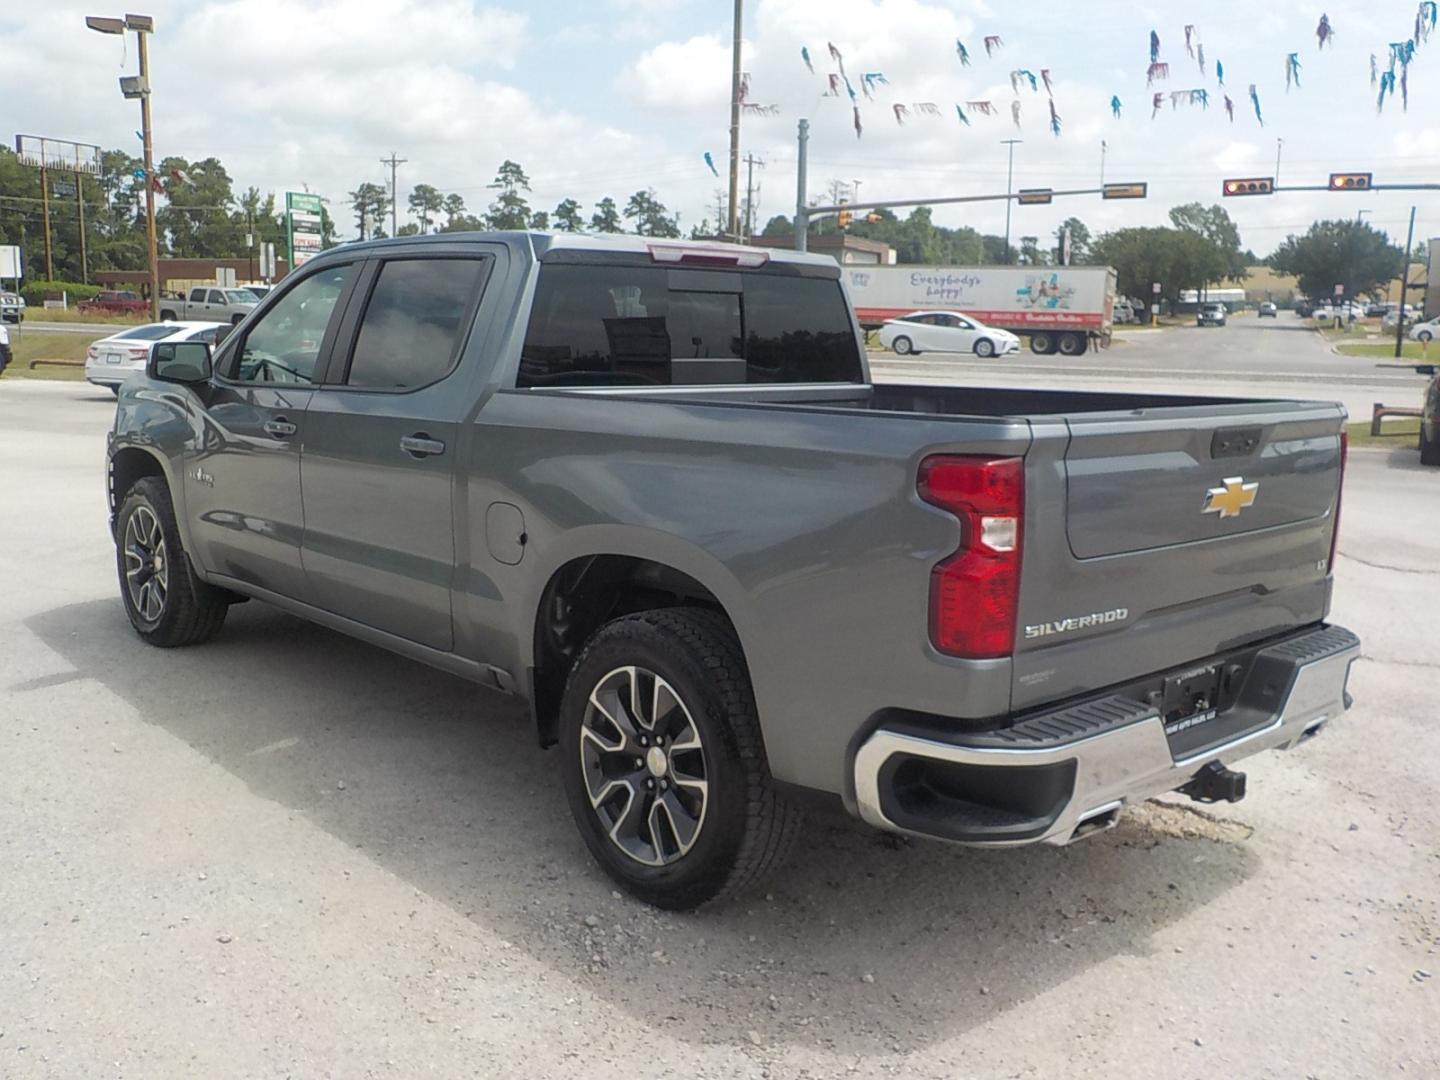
(1059,308)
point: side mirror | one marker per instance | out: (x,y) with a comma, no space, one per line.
(184,362)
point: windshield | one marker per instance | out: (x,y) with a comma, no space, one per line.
(241,296)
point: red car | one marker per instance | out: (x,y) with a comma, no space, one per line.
(115,303)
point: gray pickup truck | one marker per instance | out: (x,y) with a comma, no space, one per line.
(209,303)
(650,488)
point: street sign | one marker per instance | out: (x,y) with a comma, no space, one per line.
(1124,191)
(267,261)
(11,264)
(1358,181)
(1249,185)
(1155,288)
(1339,290)
(1036,196)
(302,219)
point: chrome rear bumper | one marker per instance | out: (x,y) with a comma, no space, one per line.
(1086,762)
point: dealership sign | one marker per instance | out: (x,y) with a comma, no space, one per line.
(302,224)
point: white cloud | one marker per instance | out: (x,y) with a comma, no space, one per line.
(689,74)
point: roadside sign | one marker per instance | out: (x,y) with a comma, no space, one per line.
(302,218)
(267,261)
(11,265)
(1036,196)
(1124,191)
(1155,288)
(1339,290)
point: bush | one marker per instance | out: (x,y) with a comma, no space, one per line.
(34,292)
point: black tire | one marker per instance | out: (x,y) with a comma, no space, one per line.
(1072,344)
(985,348)
(1424,336)
(189,611)
(1429,449)
(1042,344)
(903,346)
(745,827)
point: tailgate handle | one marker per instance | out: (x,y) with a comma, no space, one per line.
(1235,442)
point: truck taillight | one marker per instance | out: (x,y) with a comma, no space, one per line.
(975,592)
(1339,494)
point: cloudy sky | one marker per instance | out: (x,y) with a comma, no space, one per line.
(602,97)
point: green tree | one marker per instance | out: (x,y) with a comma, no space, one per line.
(198,219)
(779,225)
(540,219)
(1030,253)
(606,218)
(1177,258)
(994,251)
(425,202)
(1219,229)
(1080,241)
(410,228)
(454,207)
(510,209)
(650,216)
(1350,253)
(567,216)
(369,202)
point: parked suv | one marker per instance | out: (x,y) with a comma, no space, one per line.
(649,488)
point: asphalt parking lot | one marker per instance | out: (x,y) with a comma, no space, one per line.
(287,853)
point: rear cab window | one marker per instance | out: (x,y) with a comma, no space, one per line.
(641,325)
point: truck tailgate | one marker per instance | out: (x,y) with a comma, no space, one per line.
(1165,535)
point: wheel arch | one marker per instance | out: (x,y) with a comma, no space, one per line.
(128,465)
(585,590)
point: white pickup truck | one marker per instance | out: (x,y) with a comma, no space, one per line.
(209,303)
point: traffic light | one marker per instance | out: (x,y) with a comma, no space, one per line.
(845,217)
(873,218)
(1350,181)
(1036,196)
(1250,185)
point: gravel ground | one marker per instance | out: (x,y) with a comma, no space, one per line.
(289,854)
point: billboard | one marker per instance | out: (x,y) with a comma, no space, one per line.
(302,226)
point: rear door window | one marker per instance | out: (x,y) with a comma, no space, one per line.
(650,326)
(415,322)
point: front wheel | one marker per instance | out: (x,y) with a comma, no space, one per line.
(984,348)
(1429,449)
(167,604)
(663,763)
(903,346)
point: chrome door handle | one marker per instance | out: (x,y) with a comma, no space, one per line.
(280,428)
(420,445)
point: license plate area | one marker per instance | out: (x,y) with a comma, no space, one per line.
(1190,699)
(113,358)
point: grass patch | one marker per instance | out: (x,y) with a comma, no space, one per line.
(1411,351)
(38,345)
(70,315)
(1404,432)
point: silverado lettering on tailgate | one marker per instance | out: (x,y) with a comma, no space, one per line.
(1077,622)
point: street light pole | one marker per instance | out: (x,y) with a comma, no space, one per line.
(1009,188)
(734,217)
(151,237)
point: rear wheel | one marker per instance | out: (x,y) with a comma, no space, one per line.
(167,604)
(1072,344)
(1424,335)
(903,346)
(984,347)
(166,315)
(663,763)
(1042,344)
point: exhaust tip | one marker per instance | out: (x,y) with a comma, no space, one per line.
(1101,819)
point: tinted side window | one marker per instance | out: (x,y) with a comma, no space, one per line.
(415,322)
(636,325)
(215,297)
(284,345)
(197,296)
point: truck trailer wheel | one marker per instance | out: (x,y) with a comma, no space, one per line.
(1072,344)
(167,604)
(1042,344)
(663,763)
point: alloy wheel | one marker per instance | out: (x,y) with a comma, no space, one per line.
(147,569)
(644,765)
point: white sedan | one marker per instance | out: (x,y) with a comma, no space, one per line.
(112,360)
(1426,331)
(945,331)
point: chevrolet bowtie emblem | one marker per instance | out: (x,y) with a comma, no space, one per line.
(1229,500)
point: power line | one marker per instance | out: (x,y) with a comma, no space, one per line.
(394,164)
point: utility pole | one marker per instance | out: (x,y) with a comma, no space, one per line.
(1279,145)
(734,226)
(1103,148)
(1009,188)
(802,221)
(394,164)
(750,162)
(80,211)
(1404,287)
(45,211)
(719,213)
